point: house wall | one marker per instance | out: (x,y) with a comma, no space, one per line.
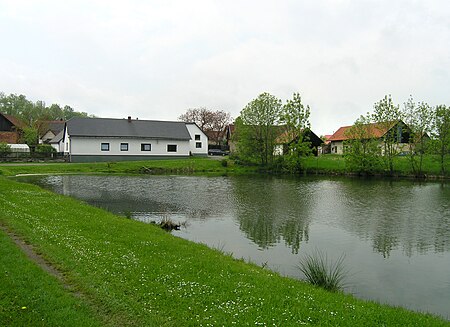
(337,147)
(5,124)
(194,130)
(59,147)
(47,137)
(83,149)
(9,137)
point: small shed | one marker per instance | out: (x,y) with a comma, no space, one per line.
(19,148)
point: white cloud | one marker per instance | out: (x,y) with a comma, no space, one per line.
(155,59)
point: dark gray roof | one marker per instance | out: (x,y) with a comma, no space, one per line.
(109,127)
(58,137)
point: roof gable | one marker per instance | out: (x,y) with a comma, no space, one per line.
(376,130)
(14,121)
(110,127)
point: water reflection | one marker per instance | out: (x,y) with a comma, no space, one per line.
(395,234)
(391,215)
(271,209)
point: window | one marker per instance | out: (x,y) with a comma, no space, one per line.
(105,147)
(198,145)
(171,148)
(146,147)
(197,137)
(123,146)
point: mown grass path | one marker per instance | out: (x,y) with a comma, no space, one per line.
(135,274)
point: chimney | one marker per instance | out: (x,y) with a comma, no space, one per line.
(129,119)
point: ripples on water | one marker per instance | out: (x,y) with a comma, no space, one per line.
(395,234)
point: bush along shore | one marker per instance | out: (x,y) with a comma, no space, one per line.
(109,270)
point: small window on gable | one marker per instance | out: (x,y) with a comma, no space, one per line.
(123,146)
(146,147)
(198,145)
(197,137)
(171,148)
(105,147)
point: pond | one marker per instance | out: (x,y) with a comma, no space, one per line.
(395,235)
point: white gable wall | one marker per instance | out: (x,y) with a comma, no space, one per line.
(202,140)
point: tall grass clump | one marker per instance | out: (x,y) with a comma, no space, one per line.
(321,272)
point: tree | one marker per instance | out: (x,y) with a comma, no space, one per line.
(295,117)
(209,121)
(259,119)
(30,136)
(441,133)
(386,115)
(30,113)
(418,117)
(362,151)
(5,149)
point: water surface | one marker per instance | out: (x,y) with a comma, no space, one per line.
(395,235)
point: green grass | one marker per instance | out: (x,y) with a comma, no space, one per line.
(335,164)
(139,275)
(322,272)
(31,297)
(326,164)
(191,165)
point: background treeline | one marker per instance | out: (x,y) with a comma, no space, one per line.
(425,130)
(33,114)
(265,124)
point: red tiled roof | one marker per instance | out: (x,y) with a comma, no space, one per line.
(377,130)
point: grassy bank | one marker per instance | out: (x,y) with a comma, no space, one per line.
(176,166)
(130,273)
(326,164)
(335,164)
(31,297)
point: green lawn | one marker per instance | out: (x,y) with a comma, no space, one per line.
(31,297)
(131,273)
(325,164)
(335,164)
(177,166)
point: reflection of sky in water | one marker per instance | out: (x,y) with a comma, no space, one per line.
(395,234)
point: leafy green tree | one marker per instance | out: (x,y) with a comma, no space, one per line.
(259,119)
(419,119)
(386,115)
(441,133)
(30,136)
(295,117)
(362,151)
(30,113)
(5,149)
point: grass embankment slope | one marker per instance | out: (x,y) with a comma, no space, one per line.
(130,273)
(193,165)
(326,164)
(335,164)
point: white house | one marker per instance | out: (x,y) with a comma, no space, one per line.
(57,142)
(108,139)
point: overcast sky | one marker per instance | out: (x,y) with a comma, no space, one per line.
(155,59)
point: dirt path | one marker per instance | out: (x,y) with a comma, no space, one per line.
(39,260)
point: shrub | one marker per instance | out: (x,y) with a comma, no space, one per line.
(224,163)
(320,272)
(45,148)
(5,149)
